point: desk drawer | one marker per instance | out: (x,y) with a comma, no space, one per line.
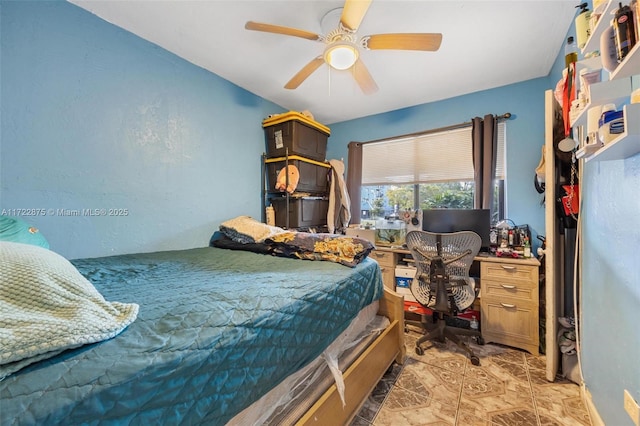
(511,322)
(509,272)
(517,290)
(384,258)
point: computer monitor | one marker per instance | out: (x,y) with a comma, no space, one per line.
(455,220)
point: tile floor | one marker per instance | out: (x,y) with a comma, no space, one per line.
(442,387)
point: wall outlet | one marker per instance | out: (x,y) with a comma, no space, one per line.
(632,408)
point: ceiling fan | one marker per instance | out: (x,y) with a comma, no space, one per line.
(342,50)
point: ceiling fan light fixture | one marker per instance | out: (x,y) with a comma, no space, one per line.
(341,55)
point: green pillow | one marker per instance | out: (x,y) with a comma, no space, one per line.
(18,231)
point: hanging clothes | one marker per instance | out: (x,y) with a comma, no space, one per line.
(339,212)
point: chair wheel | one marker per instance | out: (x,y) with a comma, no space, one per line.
(419,350)
(480,340)
(475,360)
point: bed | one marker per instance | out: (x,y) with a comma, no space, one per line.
(216,332)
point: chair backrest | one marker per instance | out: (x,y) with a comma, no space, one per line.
(456,250)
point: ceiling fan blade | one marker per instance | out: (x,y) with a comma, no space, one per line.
(305,72)
(268,28)
(363,78)
(407,41)
(353,12)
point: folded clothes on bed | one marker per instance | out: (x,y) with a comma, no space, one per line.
(347,251)
(245,233)
(245,229)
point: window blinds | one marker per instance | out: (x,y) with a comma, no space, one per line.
(428,158)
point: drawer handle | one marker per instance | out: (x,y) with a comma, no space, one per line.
(507,305)
(382,269)
(508,268)
(379,254)
(510,287)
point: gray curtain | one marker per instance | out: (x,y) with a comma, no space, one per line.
(485,143)
(354,179)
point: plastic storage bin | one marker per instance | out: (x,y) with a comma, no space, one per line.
(297,133)
(314,175)
(303,212)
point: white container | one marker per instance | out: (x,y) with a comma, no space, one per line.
(611,125)
(593,117)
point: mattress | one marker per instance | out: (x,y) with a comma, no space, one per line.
(287,402)
(216,330)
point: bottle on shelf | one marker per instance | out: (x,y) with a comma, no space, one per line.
(527,248)
(583,29)
(271,216)
(624,27)
(570,52)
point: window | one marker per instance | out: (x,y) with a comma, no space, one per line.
(425,171)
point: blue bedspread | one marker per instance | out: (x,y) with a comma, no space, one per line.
(215,331)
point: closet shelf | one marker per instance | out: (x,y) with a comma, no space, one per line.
(625,145)
(593,42)
(606,92)
(629,66)
(631,63)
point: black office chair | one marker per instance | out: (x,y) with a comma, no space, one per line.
(442,283)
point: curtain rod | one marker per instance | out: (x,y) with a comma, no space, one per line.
(504,116)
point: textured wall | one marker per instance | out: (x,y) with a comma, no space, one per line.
(611,285)
(525,136)
(610,278)
(96,118)
(611,222)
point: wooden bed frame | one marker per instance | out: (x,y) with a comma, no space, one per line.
(366,371)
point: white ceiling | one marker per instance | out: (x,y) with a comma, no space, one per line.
(485,44)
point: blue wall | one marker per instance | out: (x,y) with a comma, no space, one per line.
(525,136)
(610,214)
(94,117)
(610,278)
(611,285)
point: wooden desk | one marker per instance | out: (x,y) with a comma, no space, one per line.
(509,296)
(510,302)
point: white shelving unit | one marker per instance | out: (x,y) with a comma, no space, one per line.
(593,42)
(615,90)
(606,92)
(631,63)
(630,66)
(625,145)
